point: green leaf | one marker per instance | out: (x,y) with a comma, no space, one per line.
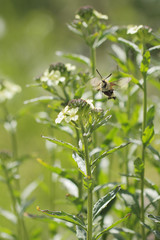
(62,143)
(30,188)
(130,200)
(120,63)
(155,219)
(150,115)
(75,57)
(104,201)
(64,216)
(59,171)
(78,202)
(81,233)
(80,162)
(6,234)
(154,48)
(138,165)
(148,134)
(8,215)
(153,70)
(155,153)
(50,220)
(145,62)
(130,44)
(73,29)
(79,92)
(155,83)
(106,153)
(41,99)
(112,226)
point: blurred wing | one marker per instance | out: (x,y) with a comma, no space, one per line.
(95,82)
(122,83)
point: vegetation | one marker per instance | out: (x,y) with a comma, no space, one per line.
(93,137)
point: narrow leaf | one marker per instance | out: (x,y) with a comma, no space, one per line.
(30,188)
(80,162)
(59,171)
(106,153)
(130,200)
(150,115)
(154,48)
(138,165)
(130,44)
(113,225)
(64,216)
(41,99)
(73,29)
(61,143)
(104,201)
(153,70)
(77,57)
(155,219)
(8,215)
(81,233)
(148,134)
(145,62)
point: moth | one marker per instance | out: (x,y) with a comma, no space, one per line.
(107,87)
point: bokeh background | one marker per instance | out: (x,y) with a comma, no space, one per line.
(31,31)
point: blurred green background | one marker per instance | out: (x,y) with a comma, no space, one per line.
(31,31)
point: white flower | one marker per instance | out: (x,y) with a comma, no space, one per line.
(8,90)
(134,29)
(61,115)
(70,67)
(100,16)
(90,102)
(67,115)
(52,78)
(72,115)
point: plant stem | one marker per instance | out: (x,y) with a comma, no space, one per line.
(127,148)
(143,154)
(80,179)
(93,60)
(89,189)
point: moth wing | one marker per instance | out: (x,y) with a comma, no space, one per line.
(122,83)
(95,82)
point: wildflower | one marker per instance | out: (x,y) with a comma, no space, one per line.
(70,67)
(135,29)
(67,114)
(8,90)
(52,77)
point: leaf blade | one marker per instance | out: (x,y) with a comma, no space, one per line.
(62,143)
(104,201)
(64,216)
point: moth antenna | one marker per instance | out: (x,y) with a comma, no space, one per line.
(99,73)
(108,76)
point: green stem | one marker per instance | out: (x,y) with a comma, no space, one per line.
(80,179)
(89,178)
(21,229)
(127,148)
(143,154)
(13,199)
(93,60)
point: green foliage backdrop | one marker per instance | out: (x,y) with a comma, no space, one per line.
(31,33)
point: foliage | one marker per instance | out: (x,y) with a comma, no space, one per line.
(82,128)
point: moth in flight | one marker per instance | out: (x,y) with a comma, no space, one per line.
(107,87)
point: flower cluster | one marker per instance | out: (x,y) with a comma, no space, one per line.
(83,112)
(56,74)
(90,25)
(88,12)
(8,90)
